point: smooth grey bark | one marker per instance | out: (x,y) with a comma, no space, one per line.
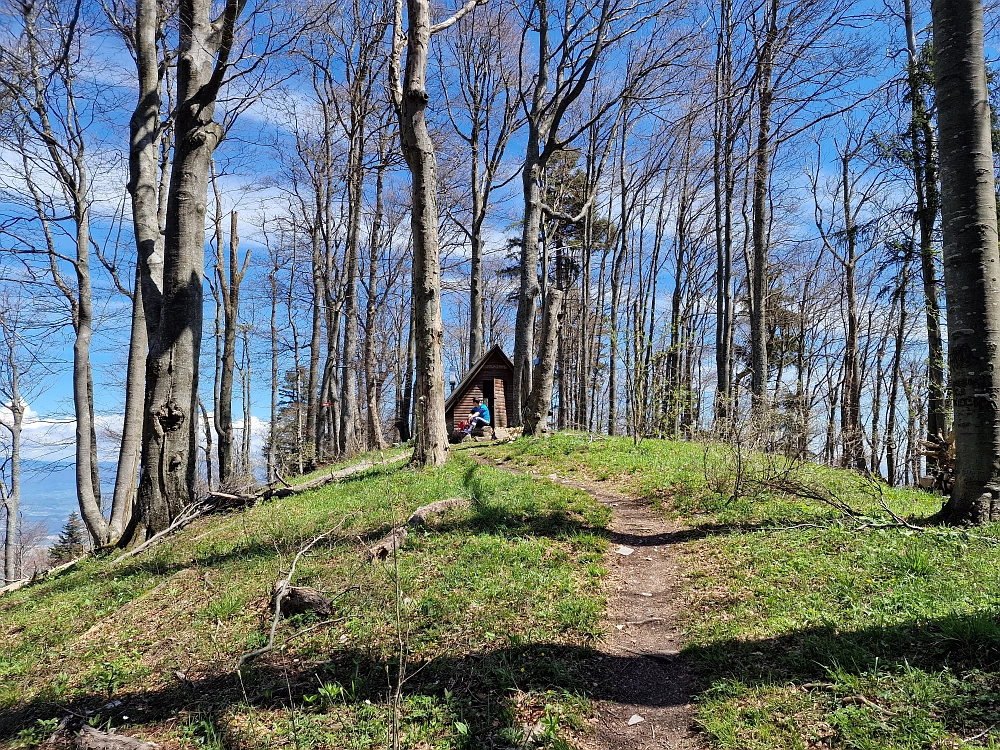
(348,440)
(12,499)
(229,293)
(405,417)
(272,440)
(895,375)
(170,447)
(207,427)
(723,184)
(130,450)
(923,147)
(761,179)
(410,96)
(319,290)
(42,70)
(376,440)
(971,258)
(146,176)
(431,448)
(540,399)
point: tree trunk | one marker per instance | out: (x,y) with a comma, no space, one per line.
(971,259)
(723,187)
(761,179)
(313,399)
(476,252)
(169,461)
(432,434)
(540,399)
(229,290)
(891,453)
(12,501)
(405,420)
(376,440)
(348,385)
(127,478)
(924,156)
(527,298)
(272,440)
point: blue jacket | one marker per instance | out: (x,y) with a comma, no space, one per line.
(483,411)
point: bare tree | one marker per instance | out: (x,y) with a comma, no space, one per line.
(969,223)
(409,93)
(169,456)
(51,140)
(22,376)
(478,58)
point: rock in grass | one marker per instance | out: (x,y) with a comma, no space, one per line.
(91,739)
(298,600)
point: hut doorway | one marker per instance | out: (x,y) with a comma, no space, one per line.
(489,394)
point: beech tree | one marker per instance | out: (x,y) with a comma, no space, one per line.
(971,258)
(409,93)
(174,318)
(52,137)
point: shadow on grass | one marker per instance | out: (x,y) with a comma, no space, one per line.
(483,686)
(960,643)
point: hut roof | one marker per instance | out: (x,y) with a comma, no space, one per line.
(473,373)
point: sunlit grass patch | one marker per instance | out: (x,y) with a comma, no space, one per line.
(492,602)
(808,628)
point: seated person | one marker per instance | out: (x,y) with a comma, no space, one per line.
(480,415)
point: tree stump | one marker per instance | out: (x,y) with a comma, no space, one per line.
(298,600)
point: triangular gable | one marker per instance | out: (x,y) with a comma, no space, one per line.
(470,377)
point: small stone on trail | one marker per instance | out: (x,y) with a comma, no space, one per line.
(636,719)
(625,551)
(619,626)
(644,593)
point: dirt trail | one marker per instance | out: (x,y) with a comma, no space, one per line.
(639,666)
(638,669)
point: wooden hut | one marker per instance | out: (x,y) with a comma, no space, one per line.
(492,378)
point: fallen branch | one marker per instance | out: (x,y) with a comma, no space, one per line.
(791,486)
(281,589)
(395,539)
(390,543)
(422,515)
(11,588)
(91,739)
(186,516)
(333,476)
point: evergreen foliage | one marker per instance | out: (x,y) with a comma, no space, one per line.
(71,543)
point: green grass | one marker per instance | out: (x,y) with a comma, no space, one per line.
(325,470)
(497,605)
(805,630)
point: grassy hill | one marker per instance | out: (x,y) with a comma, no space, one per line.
(472,611)
(806,628)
